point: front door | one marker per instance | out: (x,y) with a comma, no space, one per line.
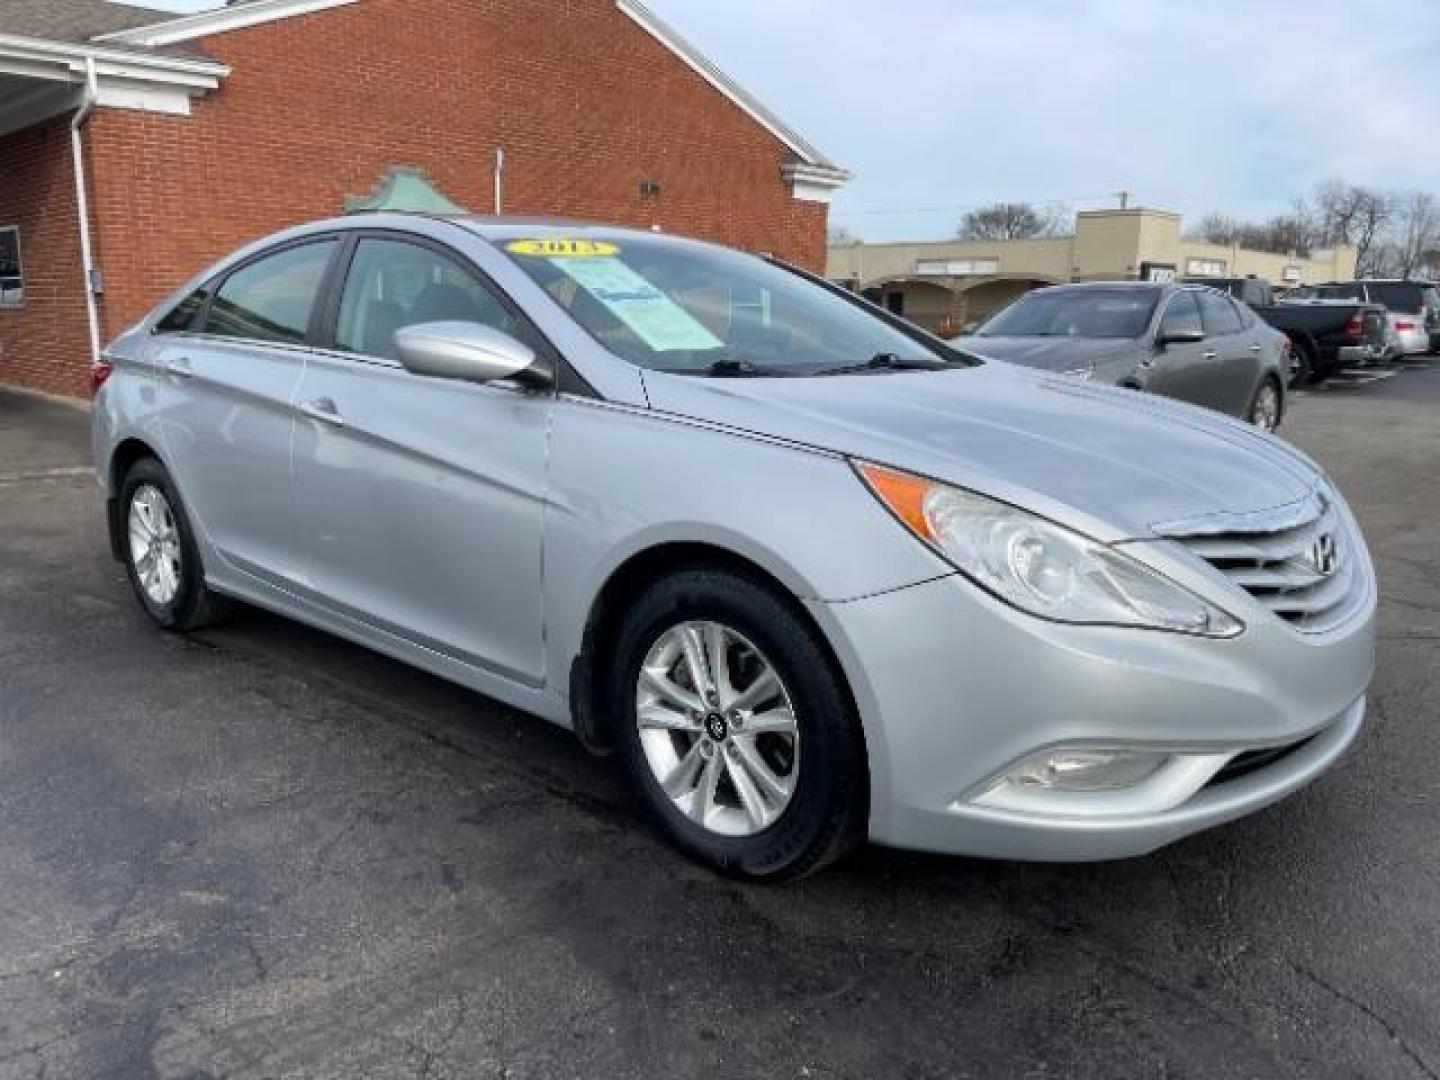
(420,499)
(226,378)
(1180,369)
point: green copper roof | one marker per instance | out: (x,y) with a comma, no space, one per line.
(404,189)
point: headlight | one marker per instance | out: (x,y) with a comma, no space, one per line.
(1040,567)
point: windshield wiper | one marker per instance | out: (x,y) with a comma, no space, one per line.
(888,361)
(727,369)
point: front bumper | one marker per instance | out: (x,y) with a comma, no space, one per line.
(955,688)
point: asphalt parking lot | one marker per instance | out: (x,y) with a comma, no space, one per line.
(262,852)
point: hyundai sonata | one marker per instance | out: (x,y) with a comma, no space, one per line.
(814,574)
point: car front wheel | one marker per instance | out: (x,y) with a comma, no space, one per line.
(736,728)
(1265,408)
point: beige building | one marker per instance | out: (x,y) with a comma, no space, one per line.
(945,284)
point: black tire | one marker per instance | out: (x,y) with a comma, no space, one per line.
(194,606)
(1305,374)
(829,810)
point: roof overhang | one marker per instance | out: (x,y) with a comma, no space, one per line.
(40,79)
(814,183)
(220,21)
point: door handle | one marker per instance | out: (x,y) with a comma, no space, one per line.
(180,367)
(1255,348)
(324,410)
(1209,354)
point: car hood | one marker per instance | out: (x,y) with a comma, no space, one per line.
(1051,353)
(1113,463)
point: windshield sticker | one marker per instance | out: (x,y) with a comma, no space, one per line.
(569,249)
(653,317)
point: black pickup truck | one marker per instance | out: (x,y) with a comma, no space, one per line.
(1325,335)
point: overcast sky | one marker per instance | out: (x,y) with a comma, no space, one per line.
(941,105)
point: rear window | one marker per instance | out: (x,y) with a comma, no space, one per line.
(271,299)
(182,316)
(1219,313)
(1399,296)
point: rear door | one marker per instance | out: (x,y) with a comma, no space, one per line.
(229,362)
(420,499)
(1234,356)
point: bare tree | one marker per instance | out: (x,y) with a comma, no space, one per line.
(1415,232)
(1357,217)
(1217,228)
(1009,221)
(842,236)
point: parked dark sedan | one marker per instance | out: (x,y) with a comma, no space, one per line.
(1188,342)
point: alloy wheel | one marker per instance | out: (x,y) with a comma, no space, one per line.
(154,544)
(1266,413)
(718,729)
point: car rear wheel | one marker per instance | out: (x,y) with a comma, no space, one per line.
(159,551)
(1303,366)
(1265,408)
(735,727)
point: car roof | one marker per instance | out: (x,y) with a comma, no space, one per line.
(494,230)
(1111,285)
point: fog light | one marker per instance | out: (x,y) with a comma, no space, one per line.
(1086,770)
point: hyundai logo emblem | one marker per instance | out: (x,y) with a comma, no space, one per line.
(1324,555)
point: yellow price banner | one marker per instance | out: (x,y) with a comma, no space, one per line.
(563,249)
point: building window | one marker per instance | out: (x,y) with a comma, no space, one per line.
(895,303)
(1205,268)
(1294,274)
(957,267)
(12,276)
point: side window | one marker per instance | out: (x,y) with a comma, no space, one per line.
(1219,314)
(1247,317)
(393,284)
(1182,316)
(272,298)
(182,315)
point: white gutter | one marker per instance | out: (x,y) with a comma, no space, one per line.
(82,202)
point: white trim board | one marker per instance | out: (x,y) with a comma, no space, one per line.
(220,21)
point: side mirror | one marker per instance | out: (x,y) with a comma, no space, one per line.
(470,352)
(1179,337)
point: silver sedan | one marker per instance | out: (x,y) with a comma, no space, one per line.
(815,575)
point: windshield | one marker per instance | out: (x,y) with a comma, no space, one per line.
(1399,297)
(687,308)
(1082,313)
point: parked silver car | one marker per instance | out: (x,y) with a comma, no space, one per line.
(1189,342)
(1413,306)
(816,575)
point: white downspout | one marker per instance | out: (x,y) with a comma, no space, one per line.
(82,202)
(499,181)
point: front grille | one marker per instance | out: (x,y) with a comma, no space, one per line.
(1300,562)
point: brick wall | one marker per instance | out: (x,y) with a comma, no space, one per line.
(585,103)
(45,344)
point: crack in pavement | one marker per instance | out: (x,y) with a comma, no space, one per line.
(1355,1003)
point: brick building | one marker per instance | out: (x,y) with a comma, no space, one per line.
(174,139)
